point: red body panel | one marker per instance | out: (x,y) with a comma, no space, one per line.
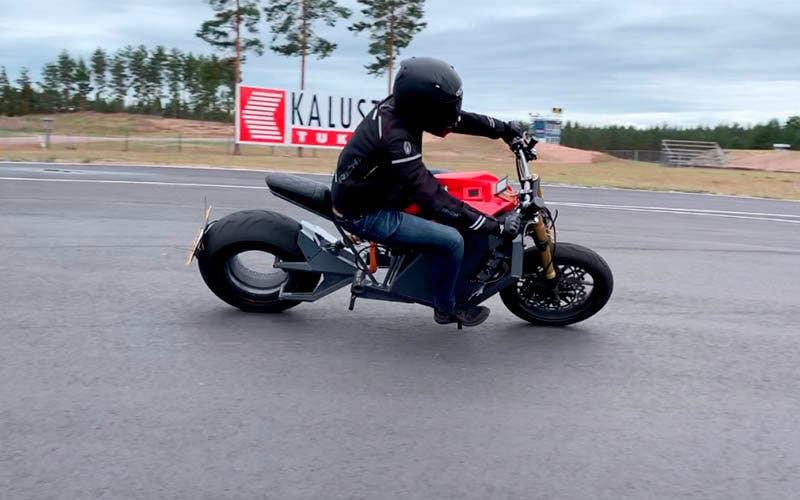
(477,190)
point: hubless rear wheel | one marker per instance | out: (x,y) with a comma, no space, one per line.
(237,260)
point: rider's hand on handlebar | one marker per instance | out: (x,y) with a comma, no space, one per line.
(519,140)
(512,133)
(510,227)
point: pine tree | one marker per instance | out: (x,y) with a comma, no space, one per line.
(224,32)
(792,132)
(25,100)
(392,25)
(120,78)
(209,79)
(66,71)
(191,82)
(50,85)
(227,69)
(174,70)
(99,69)
(83,83)
(138,68)
(202,78)
(292,21)
(155,78)
(5,92)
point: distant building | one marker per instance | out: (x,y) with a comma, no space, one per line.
(547,129)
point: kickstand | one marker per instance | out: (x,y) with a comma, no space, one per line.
(352,302)
(460,326)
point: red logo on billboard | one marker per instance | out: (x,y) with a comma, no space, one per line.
(320,137)
(262,115)
(280,117)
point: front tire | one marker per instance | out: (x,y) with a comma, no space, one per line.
(237,260)
(582,287)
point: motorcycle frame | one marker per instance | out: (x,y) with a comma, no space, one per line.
(339,261)
(406,279)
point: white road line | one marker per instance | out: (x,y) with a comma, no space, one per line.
(147,183)
(666,191)
(685,211)
(89,166)
(772,217)
(600,205)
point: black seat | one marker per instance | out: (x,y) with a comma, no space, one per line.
(311,195)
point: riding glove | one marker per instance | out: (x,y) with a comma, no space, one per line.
(510,227)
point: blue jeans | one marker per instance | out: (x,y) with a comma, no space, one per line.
(444,242)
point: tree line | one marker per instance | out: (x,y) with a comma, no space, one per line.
(293,24)
(607,138)
(155,80)
(172,83)
(169,82)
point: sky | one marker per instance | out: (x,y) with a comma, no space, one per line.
(625,62)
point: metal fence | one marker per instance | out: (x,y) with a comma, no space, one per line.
(156,145)
(692,153)
(636,155)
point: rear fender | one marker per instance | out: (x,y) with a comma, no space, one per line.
(320,252)
(337,266)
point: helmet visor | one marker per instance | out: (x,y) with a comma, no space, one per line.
(443,117)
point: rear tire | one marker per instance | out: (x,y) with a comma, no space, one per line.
(578,268)
(233,240)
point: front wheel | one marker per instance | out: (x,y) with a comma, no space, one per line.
(582,287)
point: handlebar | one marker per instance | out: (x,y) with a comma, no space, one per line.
(525,144)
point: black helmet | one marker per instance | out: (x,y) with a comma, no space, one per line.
(428,93)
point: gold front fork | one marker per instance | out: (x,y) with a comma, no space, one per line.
(544,240)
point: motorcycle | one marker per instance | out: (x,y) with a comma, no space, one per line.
(264,261)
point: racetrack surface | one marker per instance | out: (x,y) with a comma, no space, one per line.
(123,376)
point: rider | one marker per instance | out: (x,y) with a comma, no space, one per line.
(380,172)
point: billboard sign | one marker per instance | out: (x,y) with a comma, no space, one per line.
(281,117)
(547,130)
(552,132)
(539,127)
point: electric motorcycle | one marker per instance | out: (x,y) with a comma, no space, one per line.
(264,261)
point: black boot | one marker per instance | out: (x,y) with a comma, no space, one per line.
(472,316)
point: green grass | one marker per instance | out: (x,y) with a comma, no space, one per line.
(17,133)
(458,153)
(114,125)
(620,173)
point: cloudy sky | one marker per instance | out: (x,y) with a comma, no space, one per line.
(615,61)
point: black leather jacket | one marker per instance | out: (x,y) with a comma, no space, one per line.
(381,167)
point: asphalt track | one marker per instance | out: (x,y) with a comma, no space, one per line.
(122,376)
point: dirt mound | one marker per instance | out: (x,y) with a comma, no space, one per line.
(155,124)
(150,125)
(773,161)
(488,150)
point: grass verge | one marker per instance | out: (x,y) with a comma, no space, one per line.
(89,123)
(622,174)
